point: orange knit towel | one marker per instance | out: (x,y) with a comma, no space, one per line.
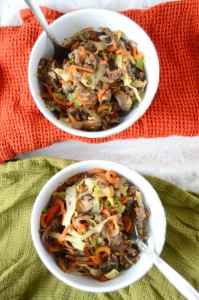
(174,29)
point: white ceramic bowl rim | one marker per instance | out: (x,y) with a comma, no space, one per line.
(83,16)
(157,227)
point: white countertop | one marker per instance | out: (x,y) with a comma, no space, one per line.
(175,159)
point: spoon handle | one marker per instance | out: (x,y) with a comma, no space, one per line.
(40,17)
(174,277)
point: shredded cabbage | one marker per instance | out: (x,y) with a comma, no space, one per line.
(138,197)
(71,199)
(135,92)
(65,75)
(112,274)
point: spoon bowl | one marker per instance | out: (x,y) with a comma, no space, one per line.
(60,52)
(175,278)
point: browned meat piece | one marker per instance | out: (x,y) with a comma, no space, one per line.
(132,189)
(90,35)
(110,264)
(111,65)
(107,31)
(117,243)
(47,65)
(126,264)
(76,55)
(115,74)
(128,91)
(135,73)
(141,75)
(77,79)
(140,216)
(91,61)
(132,251)
(89,46)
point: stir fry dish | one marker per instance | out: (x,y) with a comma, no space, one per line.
(88,224)
(100,81)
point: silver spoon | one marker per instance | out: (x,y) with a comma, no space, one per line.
(60,52)
(175,278)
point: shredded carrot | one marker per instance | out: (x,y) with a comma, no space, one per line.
(84,187)
(103,62)
(113,48)
(102,180)
(79,205)
(53,248)
(86,271)
(111,191)
(102,249)
(80,228)
(83,51)
(63,235)
(136,54)
(106,212)
(63,103)
(63,81)
(102,107)
(147,213)
(67,245)
(104,56)
(96,170)
(109,229)
(42,220)
(94,53)
(123,52)
(105,59)
(111,177)
(74,46)
(72,119)
(93,258)
(87,28)
(85,102)
(69,256)
(77,117)
(127,223)
(61,204)
(125,200)
(80,68)
(100,95)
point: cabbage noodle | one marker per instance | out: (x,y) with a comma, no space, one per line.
(71,199)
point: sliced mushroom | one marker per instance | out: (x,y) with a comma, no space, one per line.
(124,100)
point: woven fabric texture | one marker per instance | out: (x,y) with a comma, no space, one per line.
(22,274)
(174,29)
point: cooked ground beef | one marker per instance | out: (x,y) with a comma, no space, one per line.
(115,74)
(140,216)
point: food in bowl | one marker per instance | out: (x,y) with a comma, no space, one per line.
(88,222)
(99,82)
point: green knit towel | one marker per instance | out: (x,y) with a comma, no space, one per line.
(23,275)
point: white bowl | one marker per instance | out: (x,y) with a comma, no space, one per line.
(156,228)
(69,24)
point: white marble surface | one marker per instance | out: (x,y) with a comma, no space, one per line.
(175,159)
